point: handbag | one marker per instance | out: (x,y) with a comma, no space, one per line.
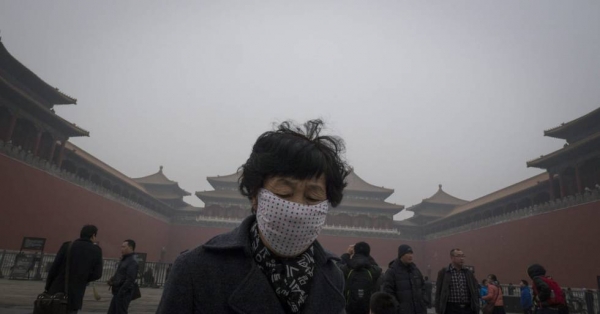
(488,308)
(57,303)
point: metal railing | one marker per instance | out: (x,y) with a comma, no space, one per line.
(151,274)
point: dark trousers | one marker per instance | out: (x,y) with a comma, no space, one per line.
(119,303)
(456,308)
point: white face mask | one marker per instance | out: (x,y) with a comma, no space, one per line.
(289,228)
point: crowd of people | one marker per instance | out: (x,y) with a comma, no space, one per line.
(273,262)
(457,290)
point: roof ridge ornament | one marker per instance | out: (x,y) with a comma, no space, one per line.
(440,186)
(160,168)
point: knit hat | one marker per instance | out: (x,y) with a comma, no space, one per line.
(404,249)
(536,270)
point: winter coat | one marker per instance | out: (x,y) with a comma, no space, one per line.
(526,300)
(86,266)
(221,277)
(356,263)
(124,279)
(494,293)
(442,292)
(406,283)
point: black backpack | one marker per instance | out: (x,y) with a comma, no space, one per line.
(359,287)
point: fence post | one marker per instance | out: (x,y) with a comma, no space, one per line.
(2,262)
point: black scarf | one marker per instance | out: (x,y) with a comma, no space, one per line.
(290,277)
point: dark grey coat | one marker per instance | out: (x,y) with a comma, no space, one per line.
(406,283)
(442,291)
(86,266)
(124,279)
(222,277)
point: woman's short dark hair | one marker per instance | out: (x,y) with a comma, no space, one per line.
(524,282)
(88,231)
(493,277)
(300,153)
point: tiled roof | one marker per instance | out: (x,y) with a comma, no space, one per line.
(101,165)
(366,204)
(572,150)
(500,194)
(160,179)
(441,197)
(25,79)
(225,194)
(355,183)
(562,131)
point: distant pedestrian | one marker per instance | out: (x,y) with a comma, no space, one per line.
(362,275)
(548,297)
(526,300)
(85,266)
(511,289)
(456,288)
(123,282)
(404,281)
(428,292)
(494,295)
(383,303)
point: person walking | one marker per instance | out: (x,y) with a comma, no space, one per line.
(404,281)
(123,282)
(456,287)
(85,266)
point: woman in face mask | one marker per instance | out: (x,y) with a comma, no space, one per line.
(271,263)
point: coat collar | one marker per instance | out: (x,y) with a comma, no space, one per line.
(255,286)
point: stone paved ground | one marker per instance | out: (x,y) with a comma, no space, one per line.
(16,297)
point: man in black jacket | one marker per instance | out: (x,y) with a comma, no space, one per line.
(404,281)
(123,282)
(361,274)
(85,266)
(457,290)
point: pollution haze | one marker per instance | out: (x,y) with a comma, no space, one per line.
(423,93)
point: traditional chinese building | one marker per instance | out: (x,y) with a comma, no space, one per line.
(50,187)
(437,206)
(165,190)
(576,166)
(27,117)
(363,205)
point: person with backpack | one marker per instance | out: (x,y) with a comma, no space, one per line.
(361,274)
(548,298)
(404,281)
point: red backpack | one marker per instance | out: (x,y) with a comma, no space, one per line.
(557,297)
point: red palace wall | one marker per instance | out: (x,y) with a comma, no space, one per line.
(565,242)
(36,204)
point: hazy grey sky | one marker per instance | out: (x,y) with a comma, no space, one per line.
(423,92)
